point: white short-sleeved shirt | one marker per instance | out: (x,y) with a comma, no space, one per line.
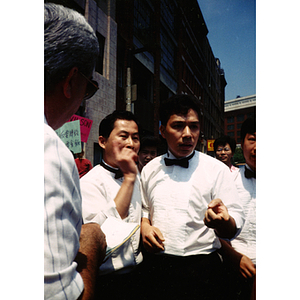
(99,189)
(245,242)
(62,220)
(175,200)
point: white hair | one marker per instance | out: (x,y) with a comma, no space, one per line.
(69,41)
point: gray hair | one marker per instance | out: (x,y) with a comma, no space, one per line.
(69,41)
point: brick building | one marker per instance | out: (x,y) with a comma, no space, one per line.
(236,112)
(149,50)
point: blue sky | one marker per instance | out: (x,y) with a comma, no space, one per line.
(231,25)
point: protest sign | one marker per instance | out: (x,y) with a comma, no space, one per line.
(85,126)
(69,133)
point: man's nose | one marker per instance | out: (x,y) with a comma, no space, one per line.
(187,132)
(130,143)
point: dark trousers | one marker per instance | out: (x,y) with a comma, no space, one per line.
(120,286)
(177,277)
(237,287)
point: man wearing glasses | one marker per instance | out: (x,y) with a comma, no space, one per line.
(70,52)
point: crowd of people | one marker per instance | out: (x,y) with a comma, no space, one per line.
(197,233)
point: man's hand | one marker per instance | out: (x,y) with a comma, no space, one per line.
(247,268)
(218,218)
(126,159)
(152,237)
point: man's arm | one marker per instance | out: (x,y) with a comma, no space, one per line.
(152,237)
(218,218)
(89,257)
(241,262)
(126,159)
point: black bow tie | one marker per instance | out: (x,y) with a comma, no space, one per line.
(118,172)
(182,162)
(249,173)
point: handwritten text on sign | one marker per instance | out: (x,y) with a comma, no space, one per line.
(85,126)
(69,133)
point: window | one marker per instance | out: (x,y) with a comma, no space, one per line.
(143,21)
(240,118)
(230,127)
(167,53)
(99,63)
(168,13)
(230,120)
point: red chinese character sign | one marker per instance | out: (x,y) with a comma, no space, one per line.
(85,126)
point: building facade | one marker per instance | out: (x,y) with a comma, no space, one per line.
(149,50)
(236,112)
(100,15)
(163,49)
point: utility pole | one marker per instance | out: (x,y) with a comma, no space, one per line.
(128,89)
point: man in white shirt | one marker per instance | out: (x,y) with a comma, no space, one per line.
(111,189)
(72,252)
(240,257)
(189,201)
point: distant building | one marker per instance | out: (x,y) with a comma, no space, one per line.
(236,112)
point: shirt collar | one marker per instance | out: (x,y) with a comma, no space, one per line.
(246,166)
(171,156)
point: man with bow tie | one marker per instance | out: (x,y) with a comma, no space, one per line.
(111,189)
(240,256)
(189,201)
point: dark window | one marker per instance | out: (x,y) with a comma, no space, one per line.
(240,118)
(230,119)
(99,63)
(143,21)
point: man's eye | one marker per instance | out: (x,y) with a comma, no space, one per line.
(177,126)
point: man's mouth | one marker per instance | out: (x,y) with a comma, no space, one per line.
(186,146)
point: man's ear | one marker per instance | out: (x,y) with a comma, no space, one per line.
(69,81)
(162,129)
(102,141)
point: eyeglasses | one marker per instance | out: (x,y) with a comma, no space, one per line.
(225,149)
(91,88)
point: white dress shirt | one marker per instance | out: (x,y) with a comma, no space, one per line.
(245,243)
(62,220)
(175,200)
(99,189)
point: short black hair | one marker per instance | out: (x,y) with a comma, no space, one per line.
(178,104)
(249,126)
(149,141)
(108,123)
(223,140)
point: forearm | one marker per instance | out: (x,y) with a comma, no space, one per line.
(124,195)
(226,229)
(90,256)
(144,224)
(229,253)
